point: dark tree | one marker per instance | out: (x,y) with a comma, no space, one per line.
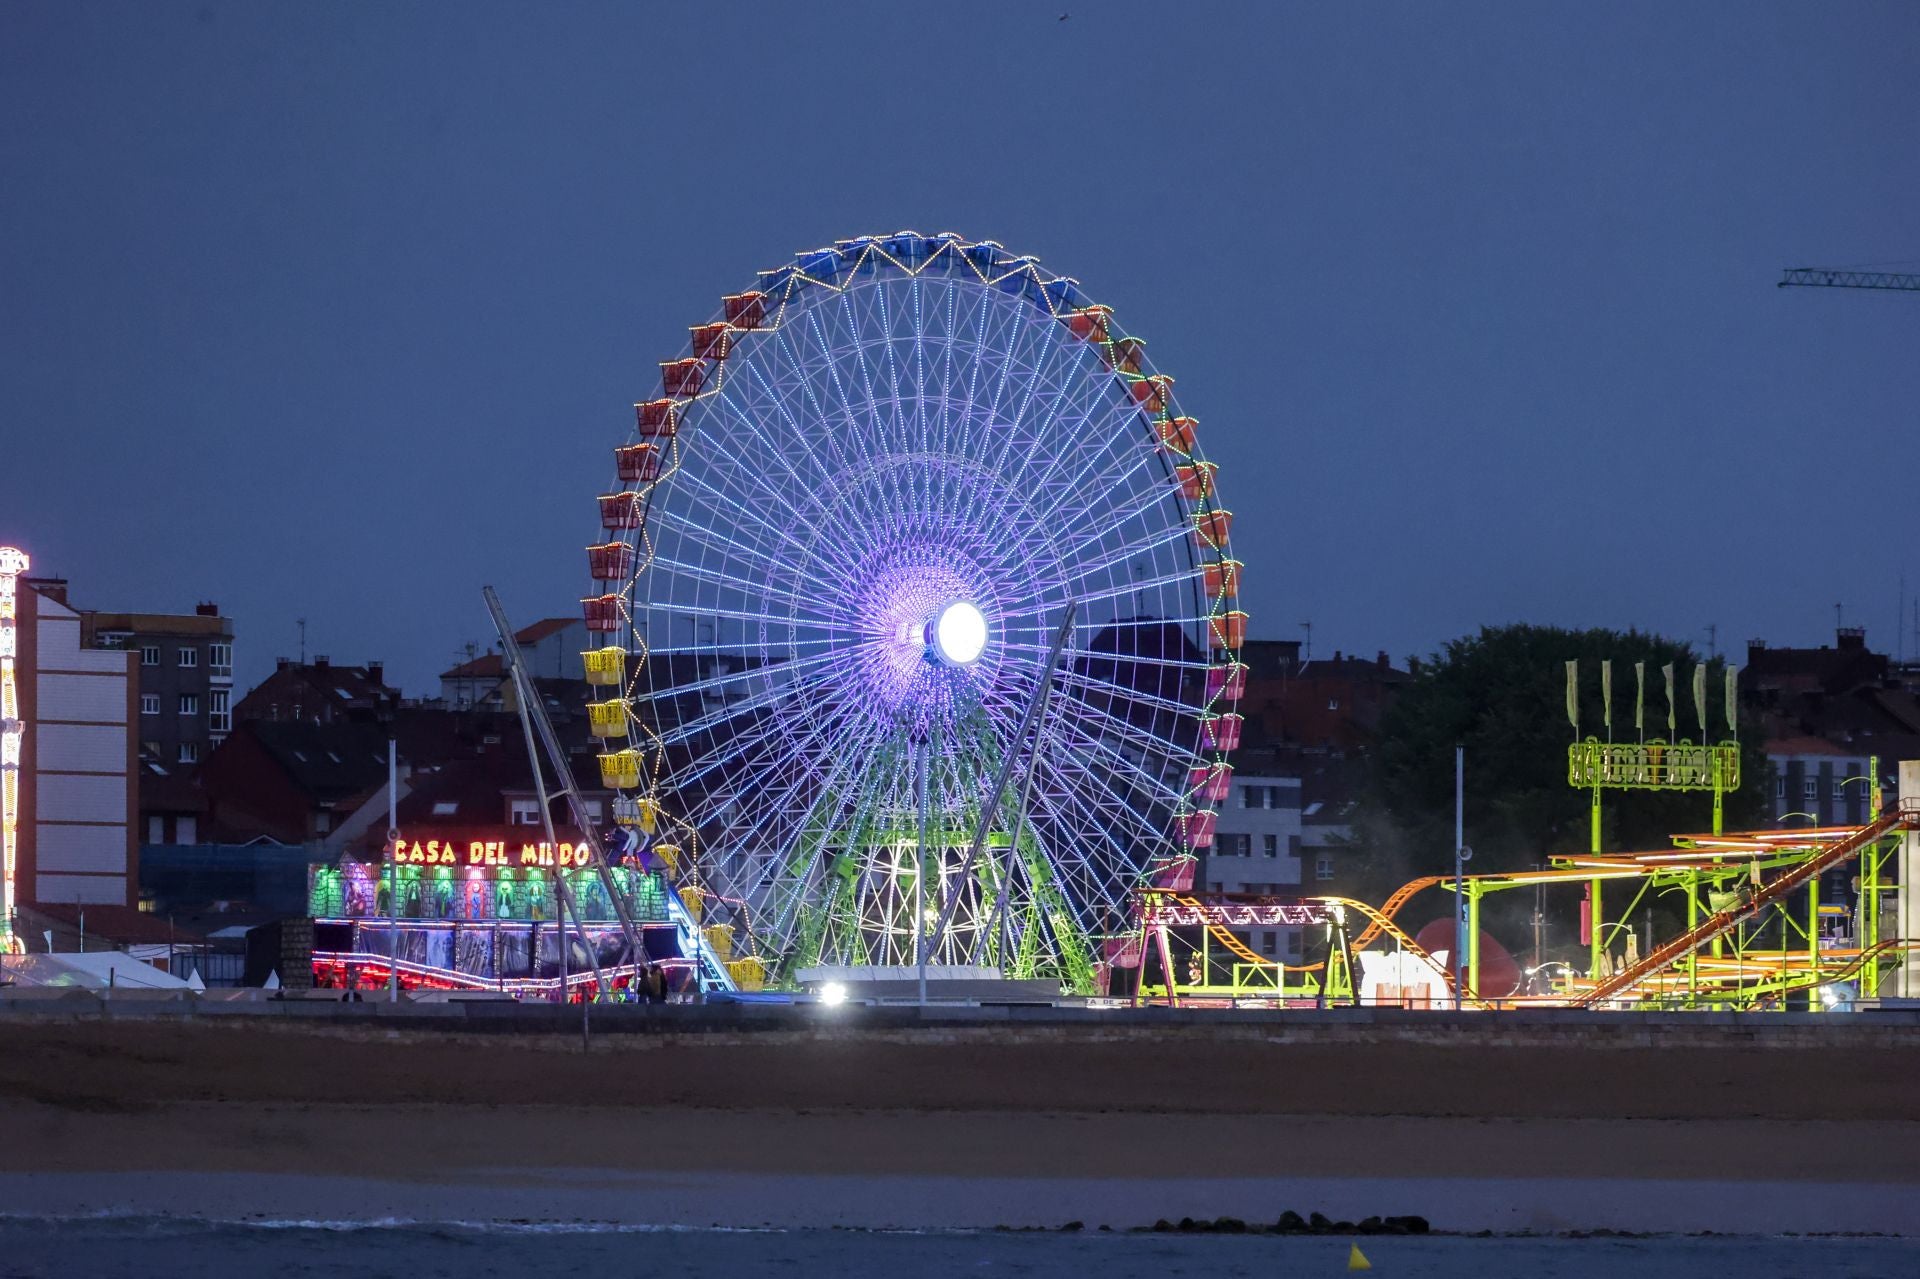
(1502,695)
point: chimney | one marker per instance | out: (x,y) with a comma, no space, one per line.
(1336,656)
(206,608)
(1852,638)
(321,661)
(1382,662)
(377,672)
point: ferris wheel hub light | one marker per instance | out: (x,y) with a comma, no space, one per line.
(959,633)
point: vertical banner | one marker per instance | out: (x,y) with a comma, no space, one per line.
(1640,699)
(1673,711)
(1733,700)
(1606,695)
(1573,695)
(1700,698)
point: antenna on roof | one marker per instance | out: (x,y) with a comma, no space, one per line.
(301,622)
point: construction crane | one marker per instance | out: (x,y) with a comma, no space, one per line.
(1819,277)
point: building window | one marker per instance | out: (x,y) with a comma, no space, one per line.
(1323,866)
(189,752)
(1811,789)
(189,703)
(523,812)
(149,655)
(1333,703)
(189,656)
(1246,797)
(1269,944)
(149,703)
(1293,943)
(1272,842)
(445,807)
(594,809)
(1779,787)
(1273,798)
(219,710)
(220,658)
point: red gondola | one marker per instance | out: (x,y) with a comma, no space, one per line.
(602,612)
(637,463)
(1196,479)
(1090,322)
(1210,528)
(1223,578)
(1177,433)
(620,511)
(683,379)
(610,562)
(657,418)
(1154,393)
(712,341)
(745,310)
(1229,630)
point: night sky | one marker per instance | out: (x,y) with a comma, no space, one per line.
(335,311)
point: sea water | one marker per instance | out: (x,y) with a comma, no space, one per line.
(160,1248)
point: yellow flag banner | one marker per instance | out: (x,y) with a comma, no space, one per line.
(1640,698)
(1700,698)
(1573,695)
(1606,694)
(1673,710)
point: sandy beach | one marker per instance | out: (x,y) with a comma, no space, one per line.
(952,1127)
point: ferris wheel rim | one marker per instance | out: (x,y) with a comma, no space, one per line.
(860,263)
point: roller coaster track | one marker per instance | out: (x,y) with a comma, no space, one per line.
(1240,948)
(1723,922)
(1378,922)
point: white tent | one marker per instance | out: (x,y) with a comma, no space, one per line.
(93,970)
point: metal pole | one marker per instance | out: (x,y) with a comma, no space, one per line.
(1459,877)
(393,836)
(920,878)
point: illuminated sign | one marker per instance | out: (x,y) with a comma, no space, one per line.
(13,563)
(489,852)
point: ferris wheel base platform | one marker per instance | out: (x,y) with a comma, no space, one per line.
(887,982)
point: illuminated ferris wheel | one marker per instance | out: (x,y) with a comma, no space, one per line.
(920,619)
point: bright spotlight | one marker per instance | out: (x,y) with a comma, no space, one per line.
(960,633)
(833,994)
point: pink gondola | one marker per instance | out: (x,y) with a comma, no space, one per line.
(637,463)
(1220,732)
(1228,682)
(1210,784)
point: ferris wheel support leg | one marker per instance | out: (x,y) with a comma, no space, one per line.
(531,707)
(1005,774)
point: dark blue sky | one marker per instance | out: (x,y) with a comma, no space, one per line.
(334,311)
